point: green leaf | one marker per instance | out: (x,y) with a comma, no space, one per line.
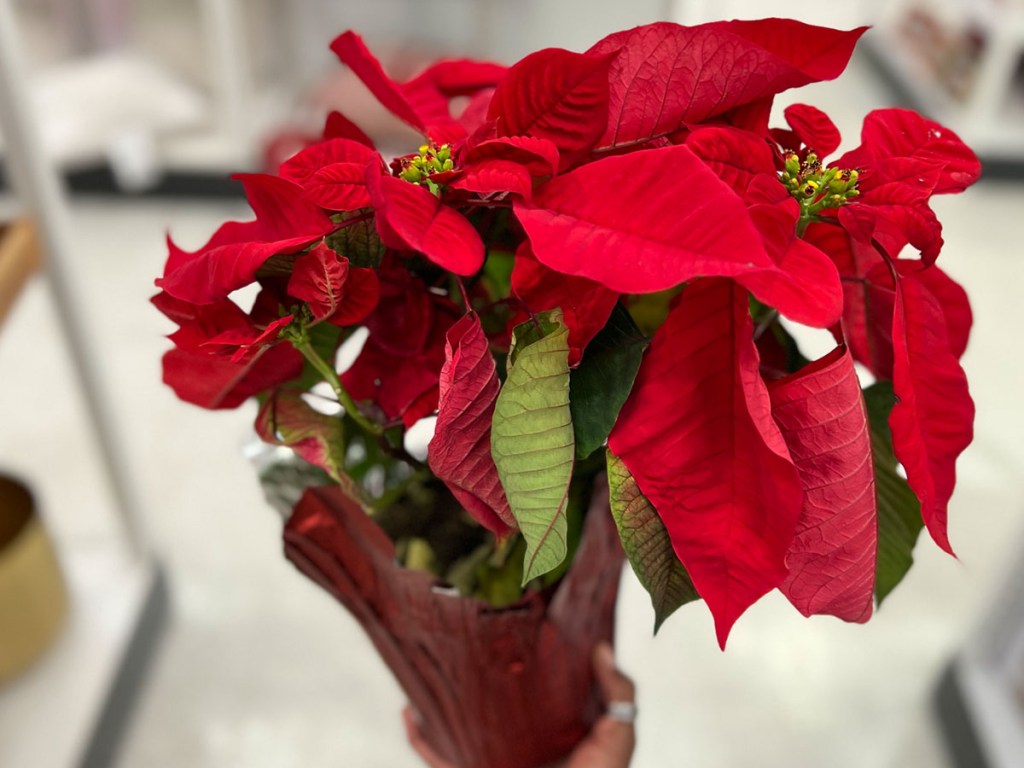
(649,310)
(899,511)
(532,439)
(358,242)
(647,544)
(286,419)
(598,388)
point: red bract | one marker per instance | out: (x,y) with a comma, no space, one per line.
(216,382)
(810,129)
(697,434)
(890,134)
(585,305)
(399,365)
(832,559)
(222,328)
(411,218)
(424,102)
(932,421)
(460,452)
(285,223)
(331,288)
(632,242)
(905,159)
(666,77)
(558,96)
(333,173)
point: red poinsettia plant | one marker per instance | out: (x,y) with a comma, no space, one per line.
(591,268)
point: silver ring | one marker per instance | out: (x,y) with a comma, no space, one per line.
(622,711)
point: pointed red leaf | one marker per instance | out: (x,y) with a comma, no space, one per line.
(952,299)
(430,93)
(877,297)
(301,166)
(586,305)
(667,76)
(460,451)
(737,157)
(285,222)
(339,187)
(350,48)
(496,176)
(423,102)
(337,126)
(805,284)
(813,128)
(401,360)
(411,218)
(698,436)
(199,322)
(631,241)
(556,95)
(832,559)
(360,297)
(902,133)
(216,383)
(318,278)
(538,156)
(243,344)
(932,421)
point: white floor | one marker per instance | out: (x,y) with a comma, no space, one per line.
(262,669)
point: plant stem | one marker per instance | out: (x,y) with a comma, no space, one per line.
(331,377)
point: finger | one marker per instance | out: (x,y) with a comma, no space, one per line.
(614,685)
(418,743)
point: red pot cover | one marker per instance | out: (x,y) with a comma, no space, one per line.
(501,688)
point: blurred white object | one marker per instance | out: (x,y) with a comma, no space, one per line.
(87,102)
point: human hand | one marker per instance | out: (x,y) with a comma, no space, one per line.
(611,741)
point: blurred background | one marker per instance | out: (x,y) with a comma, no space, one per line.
(234,659)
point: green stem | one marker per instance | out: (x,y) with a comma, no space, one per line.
(331,377)
(803,223)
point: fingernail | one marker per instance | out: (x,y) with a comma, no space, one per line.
(605,655)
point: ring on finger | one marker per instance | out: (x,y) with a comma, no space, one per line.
(622,711)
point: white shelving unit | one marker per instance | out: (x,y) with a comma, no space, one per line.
(989,114)
(67,710)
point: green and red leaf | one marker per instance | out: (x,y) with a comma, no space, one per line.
(647,544)
(286,419)
(460,451)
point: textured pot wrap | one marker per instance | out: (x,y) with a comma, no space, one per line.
(501,688)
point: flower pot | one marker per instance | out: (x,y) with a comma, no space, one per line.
(33,599)
(497,687)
